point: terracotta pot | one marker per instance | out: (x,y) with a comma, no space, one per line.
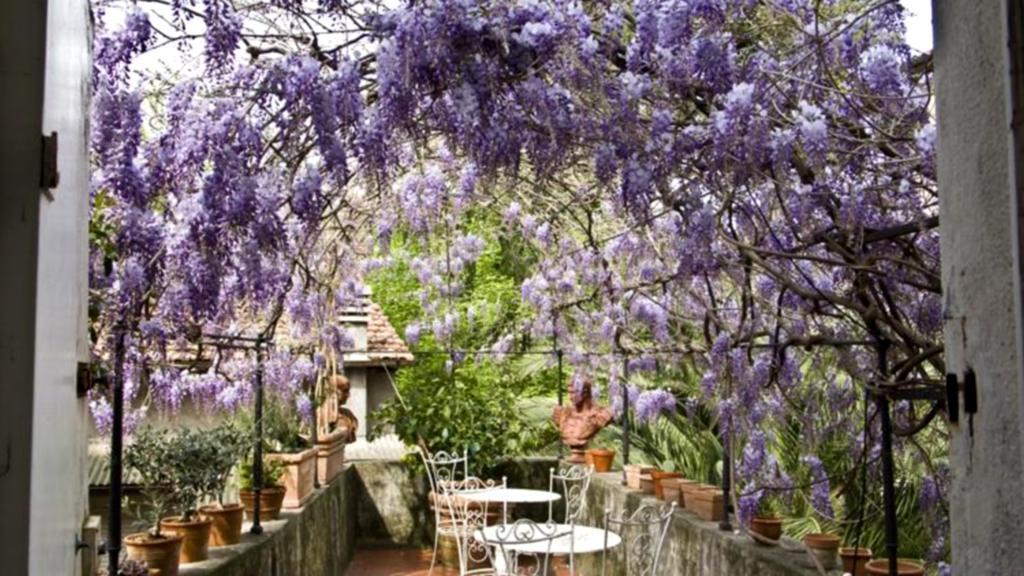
(195,544)
(670,489)
(685,487)
(227,523)
(855,560)
(270,502)
(766,527)
(330,455)
(707,504)
(904,567)
(601,459)
(299,469)
(824,548)
(161,553)
(659,476)
(646,484)
(633,474)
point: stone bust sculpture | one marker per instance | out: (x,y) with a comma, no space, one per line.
(580,421)
(346,419)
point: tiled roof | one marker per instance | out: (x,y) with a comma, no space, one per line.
(382,342)
(99,467)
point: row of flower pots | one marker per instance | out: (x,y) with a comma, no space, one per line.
(708,503)
(195,468)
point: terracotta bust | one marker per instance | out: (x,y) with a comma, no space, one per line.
(580,421)
(346,419)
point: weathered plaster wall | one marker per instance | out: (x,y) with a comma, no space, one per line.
(372,504)
(383,504)
(692,547)
(978,275)
(316,540)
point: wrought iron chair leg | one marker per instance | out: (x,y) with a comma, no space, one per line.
(433,557)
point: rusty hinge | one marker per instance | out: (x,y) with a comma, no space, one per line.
(49,178)
(85,379)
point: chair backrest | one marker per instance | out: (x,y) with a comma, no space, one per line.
(643,536)
(505,546)
(572,482)
(444,467)
(467,517)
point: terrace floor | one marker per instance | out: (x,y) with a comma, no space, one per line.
(403,562)
(394,562)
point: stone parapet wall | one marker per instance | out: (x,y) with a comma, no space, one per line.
(372,503)
(384,504)
(315,540)
(693,547)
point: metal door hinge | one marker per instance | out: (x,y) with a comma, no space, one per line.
(49,178)
(85,380)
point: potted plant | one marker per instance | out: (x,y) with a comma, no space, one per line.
(904,567)
(824,547)
(149,454)
(634,472)
(766,522)
(707,503)
(685,488)
(659,475)
(193,457)
(229,444)
(285,444)
(855,560)
(271,495)
(601,459)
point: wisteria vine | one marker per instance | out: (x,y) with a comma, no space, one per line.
(743,187)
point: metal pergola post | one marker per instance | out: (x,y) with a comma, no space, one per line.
(315,424)
(725,525)
(116,451)
(892,545)
(625,416)
(257,450)
(561,398)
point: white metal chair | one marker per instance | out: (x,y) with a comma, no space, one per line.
(442,468)
(643,536)
(466,517)
(572,482)
(505,546)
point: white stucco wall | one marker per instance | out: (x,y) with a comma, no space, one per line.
(978,274)
(358,396)
(59,491)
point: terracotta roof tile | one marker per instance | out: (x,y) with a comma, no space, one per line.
(381,339)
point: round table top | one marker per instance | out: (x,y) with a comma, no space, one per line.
(511,496)
(584,540)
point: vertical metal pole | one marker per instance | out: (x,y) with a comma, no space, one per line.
(315,425)
(257,450)
(625,416)
(725,525)
(561,401)
(116,449)
(888,476)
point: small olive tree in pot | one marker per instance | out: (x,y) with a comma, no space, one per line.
(228,445)
(150,456)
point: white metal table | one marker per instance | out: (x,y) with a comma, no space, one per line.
(511,496)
